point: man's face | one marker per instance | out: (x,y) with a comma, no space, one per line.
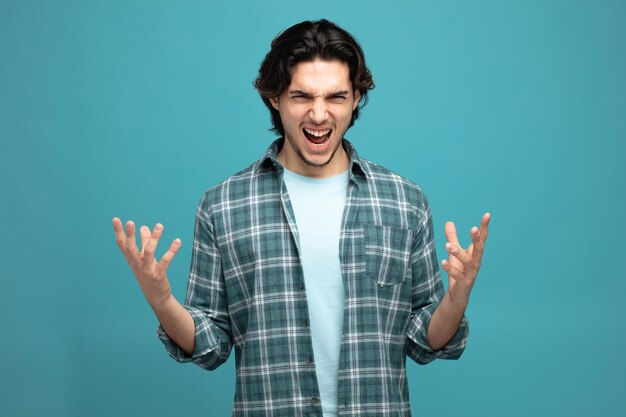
(316,110)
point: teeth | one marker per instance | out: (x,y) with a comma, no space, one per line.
(317,133)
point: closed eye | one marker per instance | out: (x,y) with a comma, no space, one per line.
(301,98)
(337,99)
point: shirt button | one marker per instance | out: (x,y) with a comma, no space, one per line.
(315,400)
(309,360)
(301,286)
(305,323)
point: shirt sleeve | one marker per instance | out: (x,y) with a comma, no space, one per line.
(427,292)
(206,300)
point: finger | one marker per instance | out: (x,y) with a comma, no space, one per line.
(458,252)
(484,225)
(466,266)
(144,234)
(450,230)
(456,263)
(168,256)
(119,232)
(475,237)
(131,243)
(452,271)
(151,246)
(479,236)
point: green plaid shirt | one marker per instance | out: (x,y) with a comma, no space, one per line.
(246,289)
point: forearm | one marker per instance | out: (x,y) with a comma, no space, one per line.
(177,323)
(445,322)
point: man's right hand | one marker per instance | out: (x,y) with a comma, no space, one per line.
(150,274)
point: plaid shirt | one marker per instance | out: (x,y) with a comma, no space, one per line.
(246,288)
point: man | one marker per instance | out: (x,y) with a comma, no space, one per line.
(317,265)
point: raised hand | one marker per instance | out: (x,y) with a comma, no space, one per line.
(150,274)
(462,265)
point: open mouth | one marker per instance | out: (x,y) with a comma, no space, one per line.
(317,137)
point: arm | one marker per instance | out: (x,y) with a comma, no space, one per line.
(427,294)
(152,278)
(206,300)
(198,331)
(462,267)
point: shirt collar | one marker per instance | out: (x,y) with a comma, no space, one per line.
(269,160)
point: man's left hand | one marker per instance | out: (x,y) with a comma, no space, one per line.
(462,265)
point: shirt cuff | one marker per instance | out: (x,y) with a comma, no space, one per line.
(206,339)
(421,351)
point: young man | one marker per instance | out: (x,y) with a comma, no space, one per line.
(317,265)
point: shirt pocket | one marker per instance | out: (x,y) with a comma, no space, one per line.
(387,254)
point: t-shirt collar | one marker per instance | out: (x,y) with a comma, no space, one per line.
(270,158)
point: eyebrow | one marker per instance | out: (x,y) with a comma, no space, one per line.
(304,93)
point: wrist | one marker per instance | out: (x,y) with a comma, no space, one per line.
(457,303)
(162,304)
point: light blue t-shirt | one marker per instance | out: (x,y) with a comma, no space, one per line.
(318,205)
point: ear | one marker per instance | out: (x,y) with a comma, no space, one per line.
(274,102)
(357,99)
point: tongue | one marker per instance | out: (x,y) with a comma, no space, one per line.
(318,140)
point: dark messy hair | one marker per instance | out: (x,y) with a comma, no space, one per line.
(304,42)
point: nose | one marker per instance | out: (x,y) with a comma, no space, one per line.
(318,111)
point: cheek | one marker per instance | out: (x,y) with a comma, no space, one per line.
(346,115)
(291,116)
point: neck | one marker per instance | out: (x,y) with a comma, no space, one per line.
(339,163)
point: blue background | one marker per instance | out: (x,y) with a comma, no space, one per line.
(134,108)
